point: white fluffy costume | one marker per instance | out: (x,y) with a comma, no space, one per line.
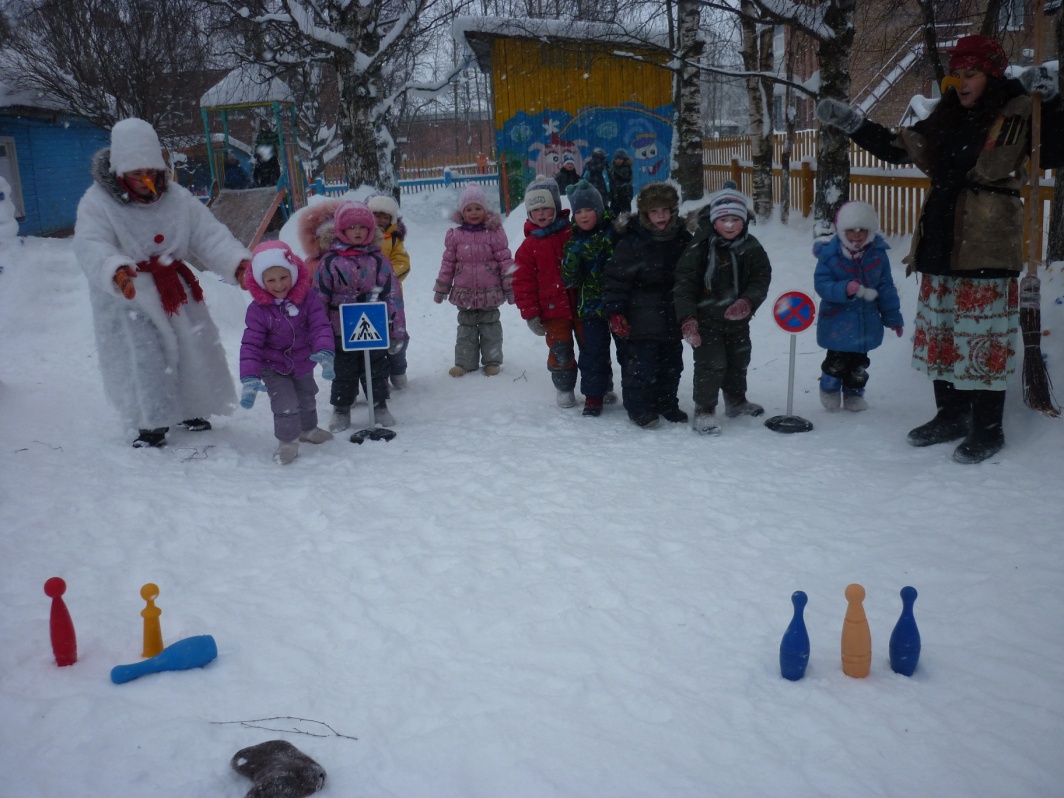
(158,367)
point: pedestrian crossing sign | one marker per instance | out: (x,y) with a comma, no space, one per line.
(364,325)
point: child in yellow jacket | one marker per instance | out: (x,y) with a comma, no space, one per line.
(386,213)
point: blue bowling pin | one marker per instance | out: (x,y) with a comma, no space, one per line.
(905,639)
(794,648)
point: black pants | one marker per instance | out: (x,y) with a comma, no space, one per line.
(652,378)
(350,371)
(721,362)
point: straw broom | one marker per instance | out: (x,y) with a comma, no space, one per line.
(1037,387)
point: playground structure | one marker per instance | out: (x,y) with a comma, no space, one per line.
(239,105)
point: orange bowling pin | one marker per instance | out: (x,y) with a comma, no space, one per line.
(856,637)
(153,630)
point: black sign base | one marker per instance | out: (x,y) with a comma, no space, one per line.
(375,434)
(788,424)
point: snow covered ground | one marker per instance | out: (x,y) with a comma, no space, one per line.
(512,600)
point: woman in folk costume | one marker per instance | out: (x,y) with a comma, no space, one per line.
(162,362)
(967,247)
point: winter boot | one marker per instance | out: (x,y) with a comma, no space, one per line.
(952,420)
(854,401)
(341,419)
(831,393)
(316,435)
(457,371)
(736,405)
(287,451)
(609,398)
(986,436)
(382,415)
(674,415)
(398,381)
(645,420)
(592,406)
(195,424)
(151,438)
(565,399)
(705,422)
(491,371)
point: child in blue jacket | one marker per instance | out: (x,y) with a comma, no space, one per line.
(858,300)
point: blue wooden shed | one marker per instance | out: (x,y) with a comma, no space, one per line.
(45,155)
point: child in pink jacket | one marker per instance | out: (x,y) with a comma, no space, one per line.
(477,272)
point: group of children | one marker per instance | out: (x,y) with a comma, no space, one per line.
(644,282)
(613,180)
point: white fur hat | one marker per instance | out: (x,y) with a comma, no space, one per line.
(382,203)
(135,145)
(857,216)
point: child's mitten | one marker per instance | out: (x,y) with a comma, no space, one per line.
(853,287)
(738,310)
(326,358)
(619,325)
(250,387)
(1039,80)
(867,294)
(438,297)
(898,331)
(690,332)
(536,326)
(278,770)
(241,273)
(124,280)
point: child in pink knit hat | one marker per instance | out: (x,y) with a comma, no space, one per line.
(477,275)
(286,332)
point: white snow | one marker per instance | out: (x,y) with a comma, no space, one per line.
(510,599)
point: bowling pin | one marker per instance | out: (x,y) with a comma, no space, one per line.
(64,641)
(856,637)
(794,648)
(905,639)
(192,652)
(153,630)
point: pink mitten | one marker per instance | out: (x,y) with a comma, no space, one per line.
(738,310)
(853,287)
(689,327)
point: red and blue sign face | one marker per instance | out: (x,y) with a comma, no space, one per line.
(794,312)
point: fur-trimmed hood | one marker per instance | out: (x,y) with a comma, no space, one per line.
(100,170)
(309,220)
(296,296)
(492,221)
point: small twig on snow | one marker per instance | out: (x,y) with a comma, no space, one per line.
(253,724)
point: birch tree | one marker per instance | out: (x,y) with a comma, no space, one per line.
(690,47)
(758,62)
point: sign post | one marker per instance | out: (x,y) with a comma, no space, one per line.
(794,312)
(364,326)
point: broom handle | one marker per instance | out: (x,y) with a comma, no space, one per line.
(1034,210)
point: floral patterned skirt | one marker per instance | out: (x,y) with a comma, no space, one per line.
(966,330)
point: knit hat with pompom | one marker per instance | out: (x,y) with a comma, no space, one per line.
(353,214)
(472,195)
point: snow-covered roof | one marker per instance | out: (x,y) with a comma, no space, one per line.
(247,85)
(477,33)
(11,96)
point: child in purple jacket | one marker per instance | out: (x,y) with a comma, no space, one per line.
(477,273)
(353,270)
(287,330)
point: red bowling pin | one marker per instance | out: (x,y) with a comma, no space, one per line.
(64,641)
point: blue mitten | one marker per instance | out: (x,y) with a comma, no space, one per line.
(251,386)
(325,357)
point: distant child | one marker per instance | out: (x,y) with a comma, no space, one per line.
(567,174)
(597,173)
(721,280)
(638,299)
(287,330)
(386,213)
(583,271)
(621,191)
(354,270)
(477,274)
(858,299)
(314,226)
(539,292)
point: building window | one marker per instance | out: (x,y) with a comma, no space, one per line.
(1010,15)
(9,171)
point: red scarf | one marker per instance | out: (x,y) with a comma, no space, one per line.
(168,278)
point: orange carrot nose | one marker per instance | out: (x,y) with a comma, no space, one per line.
(950,82)
(146,180)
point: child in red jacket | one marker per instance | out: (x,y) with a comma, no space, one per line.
(539,292)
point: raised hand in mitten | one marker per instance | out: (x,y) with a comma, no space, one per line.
(619,325)
(241,273)
(738,310)
(536,326)
(867,293)
(1039,80)
(250,386)
(326,358)
(124,281)
(689,328)
(839,115)
(853,287)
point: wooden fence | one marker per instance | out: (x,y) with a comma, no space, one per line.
(897,192)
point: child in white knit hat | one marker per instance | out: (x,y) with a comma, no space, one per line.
(390,223)
(477,274)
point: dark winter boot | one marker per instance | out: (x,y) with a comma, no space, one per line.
(986,437)
(592,406)
(278,770)
(151,438)
(195,424)
(952,420)
(735,404)
(674,415)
